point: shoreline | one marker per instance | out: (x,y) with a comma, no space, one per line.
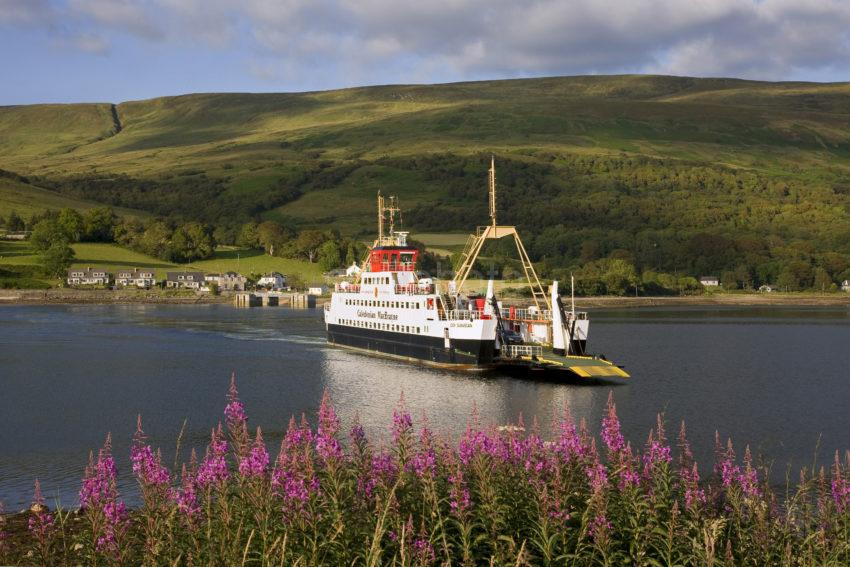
(129,297)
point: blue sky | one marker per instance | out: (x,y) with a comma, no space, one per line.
(117,50)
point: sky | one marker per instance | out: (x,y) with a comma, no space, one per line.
(118,50)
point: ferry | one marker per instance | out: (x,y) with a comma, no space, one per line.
(392,310)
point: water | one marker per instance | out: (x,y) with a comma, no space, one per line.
(775,378)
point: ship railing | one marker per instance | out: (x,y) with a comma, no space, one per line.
(347,288)
(414,289)
(396,266)
(464,315)
(517,351)
(525,314)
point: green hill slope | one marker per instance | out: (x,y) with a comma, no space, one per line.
(647,167)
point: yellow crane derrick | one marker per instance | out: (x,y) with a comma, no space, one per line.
(495,232)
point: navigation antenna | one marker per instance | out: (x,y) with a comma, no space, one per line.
(387,209)
(494,232)
(492,183)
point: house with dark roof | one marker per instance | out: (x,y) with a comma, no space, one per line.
(184,280)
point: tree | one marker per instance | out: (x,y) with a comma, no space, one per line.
(99,224)
(71,223)
(15,223)
(57,258)
(46,233)
(248,236)
(822,280)
(272,236)
(729,280)
(787,281)
(308,242)
(329,255)
(192,241)
(155,240)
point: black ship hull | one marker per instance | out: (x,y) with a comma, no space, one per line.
(415,348)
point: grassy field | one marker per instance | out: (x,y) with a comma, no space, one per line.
(253,141)
(26,199)
(114,257)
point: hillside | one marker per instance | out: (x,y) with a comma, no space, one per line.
(674,173)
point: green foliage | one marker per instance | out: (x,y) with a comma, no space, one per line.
(192,241)
(57,259)
(687,176)
(330,257)
(46,233)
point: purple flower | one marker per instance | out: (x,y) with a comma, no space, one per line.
(840,487)
(423,551)
(749,477)
(100,478)
(729,471)
(186,497)
(256,462)
(402,425)
(213,470)
(599,528)
(568,445)
(424,461)
(147,466)
(611,428)
(234,411)
(327,445)
(115,526)
(294,479)
(41,522)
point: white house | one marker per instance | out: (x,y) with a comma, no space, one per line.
(273,281)
(88,276)
(317,289)
(845,285)
(230,281)
(135,277)
(766,288)
(710,281)
(352,270)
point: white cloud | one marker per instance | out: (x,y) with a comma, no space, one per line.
(367,40)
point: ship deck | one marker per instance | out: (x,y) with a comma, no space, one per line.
(582,367)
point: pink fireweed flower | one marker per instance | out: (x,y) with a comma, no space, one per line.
(213,469)
(459,499)
(597,475)
(234,411)
(568,445)
(627,469)
(729,470)
(599,528)
(402,424)
(294,479)
(611,428)
(116,523)
(424,461)
(256,462)
(147,466)
(748,478)
(186,497)
(236,420)
(840,488)
(423,551)
(41,523)
(100,478)
(327,445)
(655,455)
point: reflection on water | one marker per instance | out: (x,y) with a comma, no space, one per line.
(774,378)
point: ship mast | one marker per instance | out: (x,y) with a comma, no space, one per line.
(494,232)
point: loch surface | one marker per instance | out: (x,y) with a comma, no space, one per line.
(775,378)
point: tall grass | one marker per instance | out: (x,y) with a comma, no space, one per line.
(496,496)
